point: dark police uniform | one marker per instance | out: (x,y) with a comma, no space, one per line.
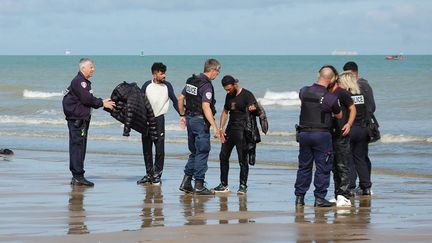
(341,146)
(198,89)
(317,106)
(361,165)
(77,105)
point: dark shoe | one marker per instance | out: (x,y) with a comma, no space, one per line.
(322,202)
(145,180)
(242,190)
(221,188)
(156,181)
(81,181)
(299,201)
(186,184)
(367,192)
(201,189)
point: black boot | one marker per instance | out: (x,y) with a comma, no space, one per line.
(81,181)
(186,184)
(322,202)
(201,189)
(299,201)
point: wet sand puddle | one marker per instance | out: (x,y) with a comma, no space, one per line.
(37,200)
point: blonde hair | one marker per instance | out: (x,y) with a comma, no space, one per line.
(349,82)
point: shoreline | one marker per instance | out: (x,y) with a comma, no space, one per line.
(39,205)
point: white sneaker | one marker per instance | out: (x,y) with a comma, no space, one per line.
(332,200)
(342,201)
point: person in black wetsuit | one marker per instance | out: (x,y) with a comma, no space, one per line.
(237,101)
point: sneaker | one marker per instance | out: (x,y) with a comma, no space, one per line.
(156,181)
(332,200)
(242,190)
(366,192)
(145,180)
(81,181)
(343,201)
(221,188)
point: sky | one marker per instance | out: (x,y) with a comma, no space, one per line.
(219,27)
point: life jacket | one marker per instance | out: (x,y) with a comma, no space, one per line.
(193,97)
(312,116)
(360,105)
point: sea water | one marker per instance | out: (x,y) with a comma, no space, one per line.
(31,116)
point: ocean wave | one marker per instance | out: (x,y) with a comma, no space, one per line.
(288,98)
(24,120)
(30,94)
(391,138)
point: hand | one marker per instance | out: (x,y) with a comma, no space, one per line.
(252,107)
(222,136)
(216,132)
(183,122)
(346,129)
(109,104)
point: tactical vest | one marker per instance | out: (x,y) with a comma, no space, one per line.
(312,116)
(360,105)
(193,97)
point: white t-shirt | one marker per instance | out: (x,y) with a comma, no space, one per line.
(157,95)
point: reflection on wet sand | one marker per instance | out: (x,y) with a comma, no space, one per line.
(194,208)
(77,213)
(152,212)
(242,207)
(312,226)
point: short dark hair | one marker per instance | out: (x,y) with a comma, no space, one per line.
(158,66)
(350,66)
(228,79)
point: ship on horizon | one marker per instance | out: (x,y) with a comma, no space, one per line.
(344,53)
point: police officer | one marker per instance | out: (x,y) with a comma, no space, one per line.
(317,107)
(198,117)
(77,104)
(365,104)
(159,92)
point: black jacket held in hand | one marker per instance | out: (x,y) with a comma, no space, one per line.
(252,134)
(133,110)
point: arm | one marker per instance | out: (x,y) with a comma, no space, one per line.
(85,97)
(173,97)
(181,110)
(352,114)
(223,119)
(209,116)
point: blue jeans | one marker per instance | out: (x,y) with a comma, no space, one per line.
(314,146)
(199,146)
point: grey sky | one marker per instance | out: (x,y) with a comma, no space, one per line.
(173,27)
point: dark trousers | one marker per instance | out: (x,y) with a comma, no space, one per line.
(341,163)
(314,147)
(361,165)
(77,145)
(199,146)
(234,138)
(155,169)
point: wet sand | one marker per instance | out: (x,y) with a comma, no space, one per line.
(39,205)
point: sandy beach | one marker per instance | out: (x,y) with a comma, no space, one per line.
(39,205)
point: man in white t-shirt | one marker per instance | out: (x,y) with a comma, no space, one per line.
(159,92)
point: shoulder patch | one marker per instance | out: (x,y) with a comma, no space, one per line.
(209,95)
(84,85)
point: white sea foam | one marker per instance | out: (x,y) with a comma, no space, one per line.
(30,94)
(391,138)
(24,120)
(288,98)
